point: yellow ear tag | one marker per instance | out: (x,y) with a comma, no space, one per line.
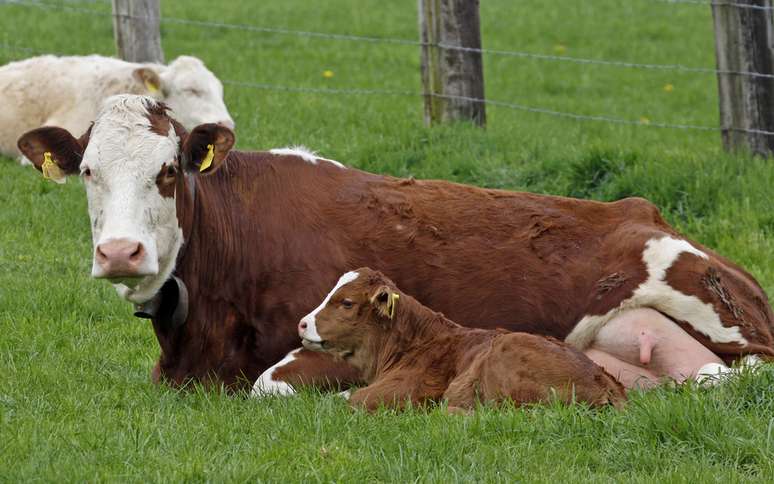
(51,170)
(393,301)
(207,161)
(151,87)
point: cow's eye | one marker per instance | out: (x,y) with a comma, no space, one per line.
(86,172)
(171,170)
(346,303)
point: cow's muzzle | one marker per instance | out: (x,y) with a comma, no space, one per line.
(119,259)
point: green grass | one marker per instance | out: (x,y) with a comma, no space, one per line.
(76,402)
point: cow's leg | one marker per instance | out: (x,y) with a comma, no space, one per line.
(643,344)
(712,373)
(302,367)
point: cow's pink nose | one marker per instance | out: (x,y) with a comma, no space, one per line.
(301,327)
(120,257)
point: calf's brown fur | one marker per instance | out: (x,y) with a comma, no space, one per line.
(407,352)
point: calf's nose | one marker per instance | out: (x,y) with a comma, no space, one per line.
(120,258)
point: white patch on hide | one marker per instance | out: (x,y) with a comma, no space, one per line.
(266,385)
(304,153)
(655,293)
(310,333)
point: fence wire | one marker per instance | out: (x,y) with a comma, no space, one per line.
(408,42)
(717,4)
(406,93)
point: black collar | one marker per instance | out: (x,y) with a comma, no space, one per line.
(169,306)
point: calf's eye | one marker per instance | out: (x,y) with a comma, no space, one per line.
(346,303)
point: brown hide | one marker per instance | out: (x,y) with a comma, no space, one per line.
(735,297)
(268,236)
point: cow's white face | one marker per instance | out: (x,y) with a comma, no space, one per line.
(131,164)
(121,167)
(193,93)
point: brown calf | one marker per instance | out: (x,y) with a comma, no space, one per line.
(407,352)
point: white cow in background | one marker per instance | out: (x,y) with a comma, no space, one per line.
(68,91)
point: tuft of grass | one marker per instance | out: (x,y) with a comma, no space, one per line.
(76,402)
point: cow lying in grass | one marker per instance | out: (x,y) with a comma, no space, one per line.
(68,91)
(407,352)
(257,238)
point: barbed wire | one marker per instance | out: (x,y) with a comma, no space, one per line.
(717,4)
(320,90)
(504,104)
(580,60)
(392,92)
(400,41)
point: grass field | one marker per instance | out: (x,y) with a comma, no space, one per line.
(76,402)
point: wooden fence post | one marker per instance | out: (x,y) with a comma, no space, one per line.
(451,72)
(136,30)
(743,43)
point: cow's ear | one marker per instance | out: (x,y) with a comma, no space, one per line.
(148,78)
(385,300)
(205,148)
(53,151)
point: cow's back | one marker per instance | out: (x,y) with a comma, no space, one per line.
(493,258)
(483,257)
(51,90)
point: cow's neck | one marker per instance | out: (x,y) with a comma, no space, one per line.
(217,338)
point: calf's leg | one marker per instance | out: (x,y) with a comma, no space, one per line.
(302,367)
(393,391)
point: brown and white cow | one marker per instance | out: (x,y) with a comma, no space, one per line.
(406,352)
(68,92)
(253,246)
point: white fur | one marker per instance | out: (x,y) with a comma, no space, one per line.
(304,153)
(713,373)
(310,333)
(68,92)
(659,255)
(750,361)
(124,158)
(266,385)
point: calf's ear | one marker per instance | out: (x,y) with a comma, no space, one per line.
(385,300)
(53,151)
(205,148)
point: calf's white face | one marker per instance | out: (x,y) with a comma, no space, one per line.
(194,94)
(130,164)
